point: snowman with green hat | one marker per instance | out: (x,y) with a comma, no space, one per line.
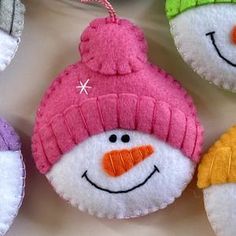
(205,35)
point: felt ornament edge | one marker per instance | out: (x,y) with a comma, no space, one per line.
(204,74)
(11,47)
(210,216)
(205,170)
(175,9)
(137,213)
(11,218)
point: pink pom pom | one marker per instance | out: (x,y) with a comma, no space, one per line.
(112,48)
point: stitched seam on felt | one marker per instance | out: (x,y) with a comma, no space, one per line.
(229,167)
(138,212)
(100,114)
(55,139)
(217,50)
(189,99)
(218,145)
(68,128)
(185,132)
(23,179)
(169,125)
(57,82)
(200,137)
(10,218)
(132,157)
(44,151)
(122,160)
(211,168)
(9,58)
(4,140)
(83,119)
(214,225)
(199,69)
(112,164)
(117,110)
(196,138)
(132,29)
(136,113)
(85,124)
(153,117)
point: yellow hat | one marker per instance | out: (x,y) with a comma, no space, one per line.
(218,165)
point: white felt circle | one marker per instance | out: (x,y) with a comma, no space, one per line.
(11,187)
(189,30)
(8,48)
(161,189)
(220,204)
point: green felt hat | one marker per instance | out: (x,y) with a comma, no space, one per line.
(175,7)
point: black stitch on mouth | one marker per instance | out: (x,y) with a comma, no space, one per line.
(121,191)
(211,35)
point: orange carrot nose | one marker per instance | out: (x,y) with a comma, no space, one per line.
(118,162)
(233,35)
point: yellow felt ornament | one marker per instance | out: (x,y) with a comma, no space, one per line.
(218,165)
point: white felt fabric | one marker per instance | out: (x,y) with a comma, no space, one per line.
(220,204)
(189,30)
(8,48)
(161,189)
(11,187)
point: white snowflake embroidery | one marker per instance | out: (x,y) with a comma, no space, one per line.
(83,87)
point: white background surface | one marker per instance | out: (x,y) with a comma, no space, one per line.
(49,44)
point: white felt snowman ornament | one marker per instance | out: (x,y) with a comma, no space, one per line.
(115,135)
(11,27)
(12,176)
(217,178)
(205,35)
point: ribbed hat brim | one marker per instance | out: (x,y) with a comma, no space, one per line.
(109,112)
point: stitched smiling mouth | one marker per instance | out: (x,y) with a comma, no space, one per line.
(211,35)
(121,191)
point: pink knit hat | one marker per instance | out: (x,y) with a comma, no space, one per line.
(113,86)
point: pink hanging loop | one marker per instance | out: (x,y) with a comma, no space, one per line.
(107,5)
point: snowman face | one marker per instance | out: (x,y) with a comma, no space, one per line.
(11,187)
(121,174)
(220,204)
(206,38)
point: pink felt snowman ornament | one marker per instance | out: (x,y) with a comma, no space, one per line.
(115,135)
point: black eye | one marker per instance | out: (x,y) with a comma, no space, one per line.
(125,138)
(113,138)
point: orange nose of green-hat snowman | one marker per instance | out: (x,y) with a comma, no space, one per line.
(115,135)
(205,35)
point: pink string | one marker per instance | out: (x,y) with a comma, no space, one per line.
(107,5)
